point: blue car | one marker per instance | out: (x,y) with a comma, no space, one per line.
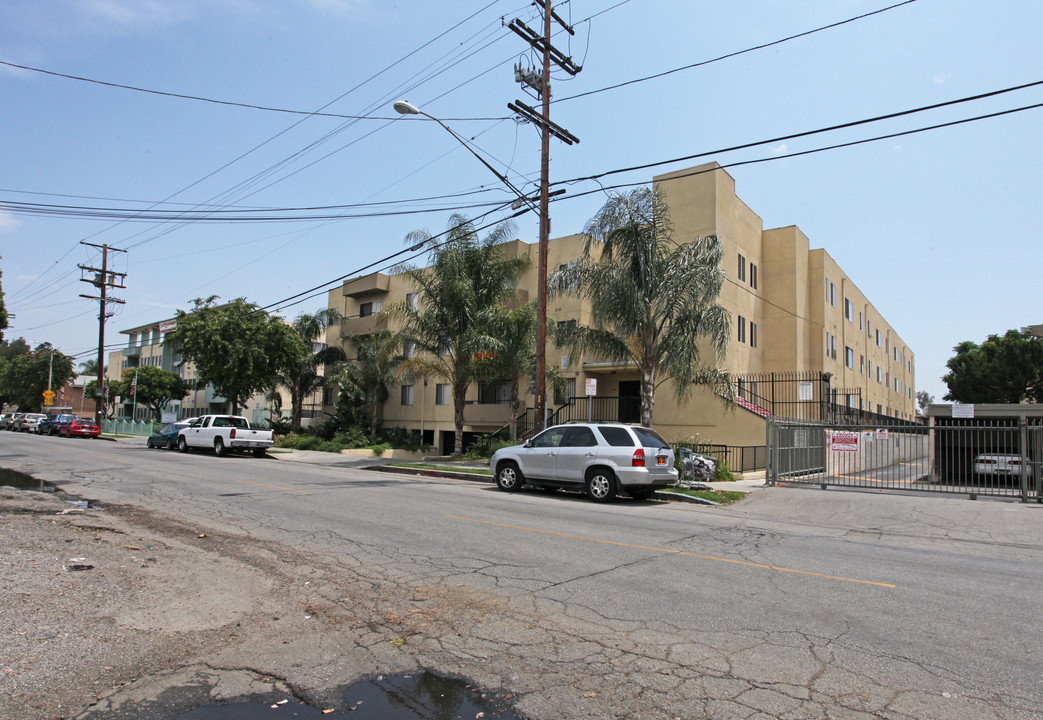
(166,437)
(50,425)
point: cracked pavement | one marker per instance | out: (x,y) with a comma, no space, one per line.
(215,580)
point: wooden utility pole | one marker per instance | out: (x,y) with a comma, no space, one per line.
(541,84)
(103,279)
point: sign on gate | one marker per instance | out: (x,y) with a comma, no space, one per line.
(845,442)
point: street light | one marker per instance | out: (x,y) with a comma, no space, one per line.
(404,107)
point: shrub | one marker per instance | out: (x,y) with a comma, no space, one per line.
(379,450)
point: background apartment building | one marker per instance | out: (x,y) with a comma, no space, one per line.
(803,334)
(149,346)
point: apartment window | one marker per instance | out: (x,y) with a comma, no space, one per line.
(753,276)
(570,274)
(862,364)
(896,353)
(442,394)
(833,348)
(566,360)
(413,300)
(831,293)
(860,319)
(742,268)
(849,357)
(878,338)
(849,310)
(407,394)
(494,393)
(753,334)
(879,374)
(741,324)
(869,328)
(408,349)
(369,308)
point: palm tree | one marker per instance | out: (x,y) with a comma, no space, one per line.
(652,301)
(302,375)
(375,368)
(458,297)
(514,358)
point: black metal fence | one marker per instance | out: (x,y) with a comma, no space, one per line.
(966,457)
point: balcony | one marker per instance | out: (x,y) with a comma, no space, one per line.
(363,325)
(369,285)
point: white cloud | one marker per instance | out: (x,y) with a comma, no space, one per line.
(135,15)
(941,77)
(780,149)
(8,222)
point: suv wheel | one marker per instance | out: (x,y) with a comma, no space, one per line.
(182,445)
(509,477)
(601,485)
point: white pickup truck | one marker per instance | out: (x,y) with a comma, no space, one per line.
(225,434)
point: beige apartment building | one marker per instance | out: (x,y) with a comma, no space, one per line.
(803,334)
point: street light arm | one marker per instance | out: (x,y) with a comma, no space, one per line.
(406,108)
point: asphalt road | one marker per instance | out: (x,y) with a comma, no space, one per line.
(795,603)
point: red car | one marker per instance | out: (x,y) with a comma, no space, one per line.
(80,428)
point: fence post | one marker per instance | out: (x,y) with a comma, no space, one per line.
(770,467)
(1025,466)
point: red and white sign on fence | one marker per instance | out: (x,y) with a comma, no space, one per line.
(845,442)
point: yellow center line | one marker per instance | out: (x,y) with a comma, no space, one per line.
(674,552)
(106,457)
(276,487)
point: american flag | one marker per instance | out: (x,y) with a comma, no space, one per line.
(61,394)
(105,392)
(134,384)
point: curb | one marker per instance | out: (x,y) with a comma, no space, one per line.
(431,473)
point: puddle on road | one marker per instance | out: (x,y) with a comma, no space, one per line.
(420,696)
(13,478)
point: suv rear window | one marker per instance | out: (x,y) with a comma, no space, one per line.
(650,438)
(616,436)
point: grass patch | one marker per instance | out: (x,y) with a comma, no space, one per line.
(722,497)
(422,466)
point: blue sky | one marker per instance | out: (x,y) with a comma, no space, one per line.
(938,229)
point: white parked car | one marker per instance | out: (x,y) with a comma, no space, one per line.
(999,465)
(31,422)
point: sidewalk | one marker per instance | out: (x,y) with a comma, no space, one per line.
(751,482)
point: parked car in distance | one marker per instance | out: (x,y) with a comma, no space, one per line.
(49,425)
(4,417)
(9,423)
(30,422)
(80,428)
(999,465)
(602,459)
(166,437)
(224,434)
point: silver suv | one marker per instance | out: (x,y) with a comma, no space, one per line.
(602,459)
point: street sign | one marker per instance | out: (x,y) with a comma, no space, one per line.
(48,395)
(591,386)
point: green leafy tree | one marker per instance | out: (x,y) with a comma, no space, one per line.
(375,368)
(237,348)
(90,368)
(117,389)
(459,293)
(303,375)
(1004,369)
(24,375)
(653,302)
(3,309)
(155,388)
(8,352)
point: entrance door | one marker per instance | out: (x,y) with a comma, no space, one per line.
(630,401)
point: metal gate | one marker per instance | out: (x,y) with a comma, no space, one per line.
(996,458)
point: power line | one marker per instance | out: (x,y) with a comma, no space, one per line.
(733,54)
(808,133)
(183,96)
